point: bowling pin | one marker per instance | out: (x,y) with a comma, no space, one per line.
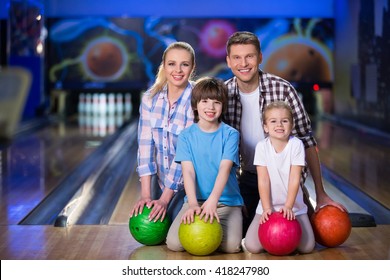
(88,104)
(119,104)
(95,104)
(128,105)
(111,104)
(95,125)
(81,105)
(119,120)
(110,124)
(102,125)
(102,104)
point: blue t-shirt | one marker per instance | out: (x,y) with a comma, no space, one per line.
(206,150)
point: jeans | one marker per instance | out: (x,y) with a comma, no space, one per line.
(176,202)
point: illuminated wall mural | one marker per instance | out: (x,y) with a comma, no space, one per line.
(94,53)
(297,55)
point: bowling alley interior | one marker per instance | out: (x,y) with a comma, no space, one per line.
(72,74)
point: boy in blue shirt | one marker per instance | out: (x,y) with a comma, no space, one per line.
(208,153)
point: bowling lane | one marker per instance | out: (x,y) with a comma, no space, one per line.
(127,200)
(358,156)
(35,162)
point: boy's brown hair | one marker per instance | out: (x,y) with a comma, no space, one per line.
(209,88)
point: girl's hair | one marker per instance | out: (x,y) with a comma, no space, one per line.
(279,104)
(243,38)
(161,79)
(209,88)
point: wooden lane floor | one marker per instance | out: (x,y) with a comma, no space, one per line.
(114,242)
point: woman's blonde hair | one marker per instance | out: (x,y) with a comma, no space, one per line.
(161,79)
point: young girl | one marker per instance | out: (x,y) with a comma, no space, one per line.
(279,160)
(208,153)
(164,112)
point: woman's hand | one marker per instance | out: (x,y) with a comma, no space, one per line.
(139,206)
(159,210)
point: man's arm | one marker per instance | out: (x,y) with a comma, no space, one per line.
(322,197)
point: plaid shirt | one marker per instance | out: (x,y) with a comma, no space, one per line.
(158,129)
(272,88)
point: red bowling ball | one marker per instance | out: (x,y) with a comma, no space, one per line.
(331,226)
(280,236)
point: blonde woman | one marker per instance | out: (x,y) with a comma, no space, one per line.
(165,111)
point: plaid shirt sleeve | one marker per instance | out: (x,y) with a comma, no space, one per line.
(183,118)
(302,128)
(174,179)
(232,116)
(145,157)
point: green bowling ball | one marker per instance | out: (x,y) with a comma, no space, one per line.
(148,232)
(200,238)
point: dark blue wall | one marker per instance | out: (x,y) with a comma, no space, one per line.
(221,8)
(212,8)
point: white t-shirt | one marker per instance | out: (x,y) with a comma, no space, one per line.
(279,166)
(251,128)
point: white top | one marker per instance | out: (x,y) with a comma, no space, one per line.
(251,127)
(279,166)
